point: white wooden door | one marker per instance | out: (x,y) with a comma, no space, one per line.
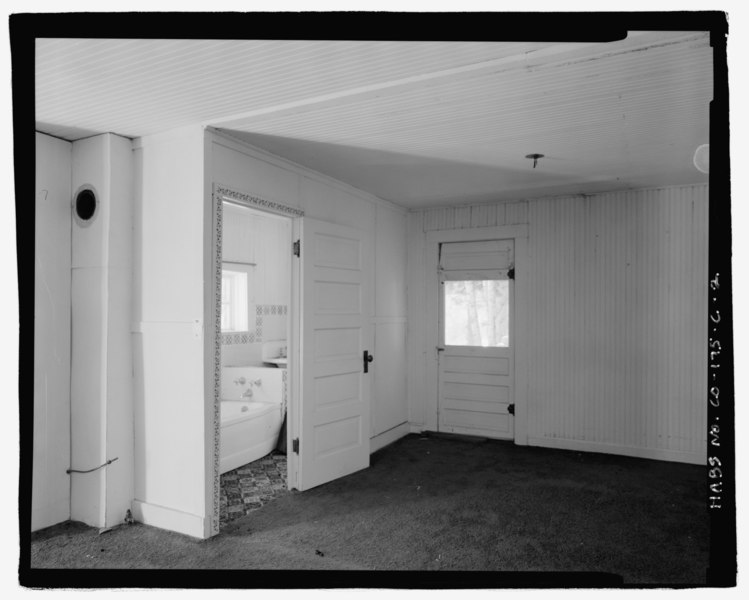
(476,358)
(336,313)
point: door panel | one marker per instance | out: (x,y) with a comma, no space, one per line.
(475,423)
(480,365)
(336,312)
(476,370)
(486,394)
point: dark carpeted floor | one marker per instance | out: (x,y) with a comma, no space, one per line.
(437,504)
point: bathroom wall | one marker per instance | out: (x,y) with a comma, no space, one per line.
(50,494)
(617,301)
(265,241)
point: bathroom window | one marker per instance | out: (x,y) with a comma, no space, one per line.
(234,301)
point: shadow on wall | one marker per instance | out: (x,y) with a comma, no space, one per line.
(429,180)
(70,133)
(139,418)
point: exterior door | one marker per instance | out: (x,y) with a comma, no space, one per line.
(336,313)
(476,359)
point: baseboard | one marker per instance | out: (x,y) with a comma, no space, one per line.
(388,437)
(415,428)
(693,458)
(169,518)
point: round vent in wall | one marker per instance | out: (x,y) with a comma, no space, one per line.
(85,205)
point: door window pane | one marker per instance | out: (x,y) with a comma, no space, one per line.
(477,313)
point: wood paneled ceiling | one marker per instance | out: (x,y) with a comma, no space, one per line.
(418,123)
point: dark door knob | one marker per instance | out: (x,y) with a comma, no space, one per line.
(368,358)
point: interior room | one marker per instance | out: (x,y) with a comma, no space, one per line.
(302,273)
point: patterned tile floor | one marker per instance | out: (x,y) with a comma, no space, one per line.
(250,486)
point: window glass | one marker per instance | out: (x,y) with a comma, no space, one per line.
(234,303)
(477,313)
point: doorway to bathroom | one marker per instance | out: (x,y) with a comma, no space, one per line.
(291,352)
(255,326)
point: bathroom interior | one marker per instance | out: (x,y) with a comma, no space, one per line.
(255,292)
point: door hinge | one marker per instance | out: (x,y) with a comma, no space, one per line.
(297,248)
(295,445)
(511,409)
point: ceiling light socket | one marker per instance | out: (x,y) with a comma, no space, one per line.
(535,158)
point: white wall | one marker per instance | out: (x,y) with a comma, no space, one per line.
(119,425)
(172,424)
(389,324)
(101,367)
(619,282)
(50,496)
(252,171)
(265,241)
(174,436)
(616,307)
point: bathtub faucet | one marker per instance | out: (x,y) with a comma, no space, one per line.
(247,393)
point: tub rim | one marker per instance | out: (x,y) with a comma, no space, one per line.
(269,407)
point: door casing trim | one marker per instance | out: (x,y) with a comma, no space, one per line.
(519,234)
(212,364)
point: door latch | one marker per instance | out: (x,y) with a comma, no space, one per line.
(511,409)
(368,358)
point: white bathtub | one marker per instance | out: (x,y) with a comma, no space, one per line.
(250,426)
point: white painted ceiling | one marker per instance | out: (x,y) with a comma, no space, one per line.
(418,123)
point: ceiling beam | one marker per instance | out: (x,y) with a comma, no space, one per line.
(562,54)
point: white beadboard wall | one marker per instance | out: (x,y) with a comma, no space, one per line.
(265,241)
(480,215)
(616,336)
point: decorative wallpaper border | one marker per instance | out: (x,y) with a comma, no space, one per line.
(218,266)
(285,391)
(239,337)
(226,193)
(255,336)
